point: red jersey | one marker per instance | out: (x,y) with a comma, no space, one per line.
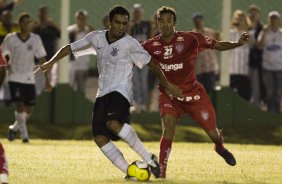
(177,57)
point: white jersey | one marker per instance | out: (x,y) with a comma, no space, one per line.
(238,57)
(272,51)
(21,56)
(115,61)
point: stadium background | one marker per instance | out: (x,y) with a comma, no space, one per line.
(255,135)
(97,9)
(212,10)
(73,110)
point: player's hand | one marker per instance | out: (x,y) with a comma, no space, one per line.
(48,87)
(173,91)
(244,38)
(45,67)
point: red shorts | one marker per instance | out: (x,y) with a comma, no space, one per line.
(196,103)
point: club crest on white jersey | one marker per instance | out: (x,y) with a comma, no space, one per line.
(114,51)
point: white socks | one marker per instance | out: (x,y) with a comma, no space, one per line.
(20,124)
(129,135)
(15,126)
(114,155)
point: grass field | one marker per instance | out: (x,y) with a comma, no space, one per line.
(81,162)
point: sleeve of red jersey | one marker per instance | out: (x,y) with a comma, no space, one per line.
(204,42)
(145,46)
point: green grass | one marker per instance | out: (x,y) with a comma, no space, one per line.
(151,131)
(81,162)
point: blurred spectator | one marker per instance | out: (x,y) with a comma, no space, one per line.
(152,79)
(154,25)
(271,41)
(239,57)
(4,5)
(255,57)
(6,26)
(140,30)
(206,61)
(79,66)
(106,22)
(49,33)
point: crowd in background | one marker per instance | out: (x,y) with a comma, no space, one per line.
(255,69)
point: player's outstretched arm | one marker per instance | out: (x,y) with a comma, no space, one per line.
(64,51)
(227,45)
(48,86)
(171,89)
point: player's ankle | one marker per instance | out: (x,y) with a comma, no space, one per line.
(219,148)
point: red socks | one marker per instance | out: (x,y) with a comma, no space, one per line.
(3,161)
(165,148)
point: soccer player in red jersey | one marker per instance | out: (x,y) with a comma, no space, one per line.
(176,52)
(3,160)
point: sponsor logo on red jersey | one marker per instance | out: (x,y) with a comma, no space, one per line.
(189,98)
(157,52)
(179,39)
(156,44)
(174,67)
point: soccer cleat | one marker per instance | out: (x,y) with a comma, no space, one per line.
(130,178)
(11,134)
(154,166)
(227,156)
(4,178)
(25,141)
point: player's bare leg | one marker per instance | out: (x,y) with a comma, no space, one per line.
(217,137)
(3,166)
(128,134)
(169,123)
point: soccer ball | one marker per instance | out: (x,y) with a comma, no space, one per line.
(139,170)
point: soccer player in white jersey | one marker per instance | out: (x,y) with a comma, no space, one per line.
(20,48)
(117,53)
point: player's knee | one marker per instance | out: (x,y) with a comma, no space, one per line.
(20,107)
(27,108)
(101,140)
(168,132)
(114,126)
(169,129)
